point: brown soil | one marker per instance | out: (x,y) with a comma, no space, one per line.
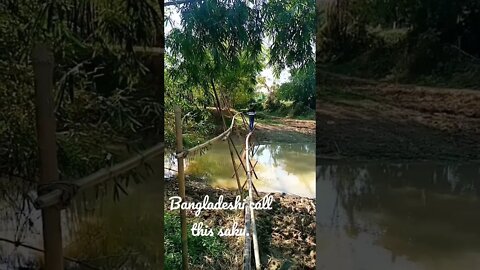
(279,129)
(360,119)
(286,233)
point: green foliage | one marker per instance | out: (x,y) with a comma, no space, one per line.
(272,103)
(291,27)
(198,246)
(219,47)
(343,32)
(260,98)
(193,103)
(295,98)
(102,93)
(202,56)
(436,42)
(201,50)
(301,88)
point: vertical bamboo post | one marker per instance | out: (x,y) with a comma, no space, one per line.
(230,141)
(250,195)
(247,251)
(159,86)
(181,185)
(43,64)
(239,186)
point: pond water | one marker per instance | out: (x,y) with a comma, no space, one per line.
(398,216)
(280,168)
(104,232)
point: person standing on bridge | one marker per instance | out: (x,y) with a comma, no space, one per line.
(251,115)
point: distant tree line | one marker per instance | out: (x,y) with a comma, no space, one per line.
(423,36)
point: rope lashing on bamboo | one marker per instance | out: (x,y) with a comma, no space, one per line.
(222,136)
(56,192)
(68,188)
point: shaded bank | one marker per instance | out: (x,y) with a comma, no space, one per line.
(367,120)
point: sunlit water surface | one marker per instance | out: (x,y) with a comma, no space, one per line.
(279,168)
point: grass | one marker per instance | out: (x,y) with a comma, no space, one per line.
(200,248)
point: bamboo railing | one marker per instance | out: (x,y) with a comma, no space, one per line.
(250,224)
(55,196)
(222,136)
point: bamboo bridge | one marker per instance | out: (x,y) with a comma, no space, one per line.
(244,156)
(59,193)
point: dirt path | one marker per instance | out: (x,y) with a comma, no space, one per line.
(361,119)
(278,129)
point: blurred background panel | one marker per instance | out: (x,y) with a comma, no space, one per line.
(398,134)
(81,96)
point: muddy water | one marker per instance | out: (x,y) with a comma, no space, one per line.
(398,216)
(105,232)
(280,168)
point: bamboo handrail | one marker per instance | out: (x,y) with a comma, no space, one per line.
(139,49)
(55,196)
(179,2)
(149,50)
(201,146)
(249,214)
(247,251)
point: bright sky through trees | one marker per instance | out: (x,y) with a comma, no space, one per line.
(172,20)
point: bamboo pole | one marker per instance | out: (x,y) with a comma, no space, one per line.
(181,186)
(240,158)
(250,195)
(53,197)
(254,188)
(245,169)
(43,65)
(159,88)
(222,135)
(160,51)
(178,2)
(230,141)
(239,186)
(247,251)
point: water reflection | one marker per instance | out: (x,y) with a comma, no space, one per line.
(398,216)
(109,234)
(279,167)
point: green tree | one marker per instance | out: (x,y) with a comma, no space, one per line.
(219,46)
(301,88)
(100,78)
(290,25)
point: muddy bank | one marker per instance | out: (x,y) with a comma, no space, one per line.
(286,233)
(365,120)
(285,130)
